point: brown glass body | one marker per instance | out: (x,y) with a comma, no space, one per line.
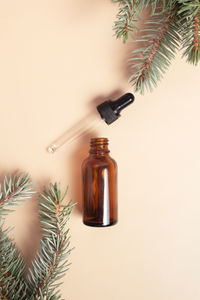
(99,177)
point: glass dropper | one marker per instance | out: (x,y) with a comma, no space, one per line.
(83,126)
(108,112)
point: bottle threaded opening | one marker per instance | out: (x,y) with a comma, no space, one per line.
(100,141)
(99,145)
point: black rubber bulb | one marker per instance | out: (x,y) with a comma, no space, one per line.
(110,110)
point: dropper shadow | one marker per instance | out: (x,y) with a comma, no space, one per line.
(76,159)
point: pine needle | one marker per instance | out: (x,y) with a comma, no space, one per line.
(190,32)
(51,261)
(171,23)
(42,281)
(150,62)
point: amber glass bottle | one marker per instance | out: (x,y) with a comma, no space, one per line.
(99,176)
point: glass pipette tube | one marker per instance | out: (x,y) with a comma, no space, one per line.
(108,111)
(91,121)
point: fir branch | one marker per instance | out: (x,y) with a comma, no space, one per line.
(129,14)
(126,18)
(160,42)
(2,297)
(12,269)
(190,32)
(188,4)
(171,21)
(50,263)
(13,191)
(157,6)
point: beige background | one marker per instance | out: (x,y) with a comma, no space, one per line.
(57,60)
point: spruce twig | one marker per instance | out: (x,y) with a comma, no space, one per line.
(161,41)
(190,32)
(12,269)
(172,23)
(13,191)
(126,19)
(50,263)
(129,14)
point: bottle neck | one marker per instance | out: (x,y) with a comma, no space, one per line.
(99,146)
